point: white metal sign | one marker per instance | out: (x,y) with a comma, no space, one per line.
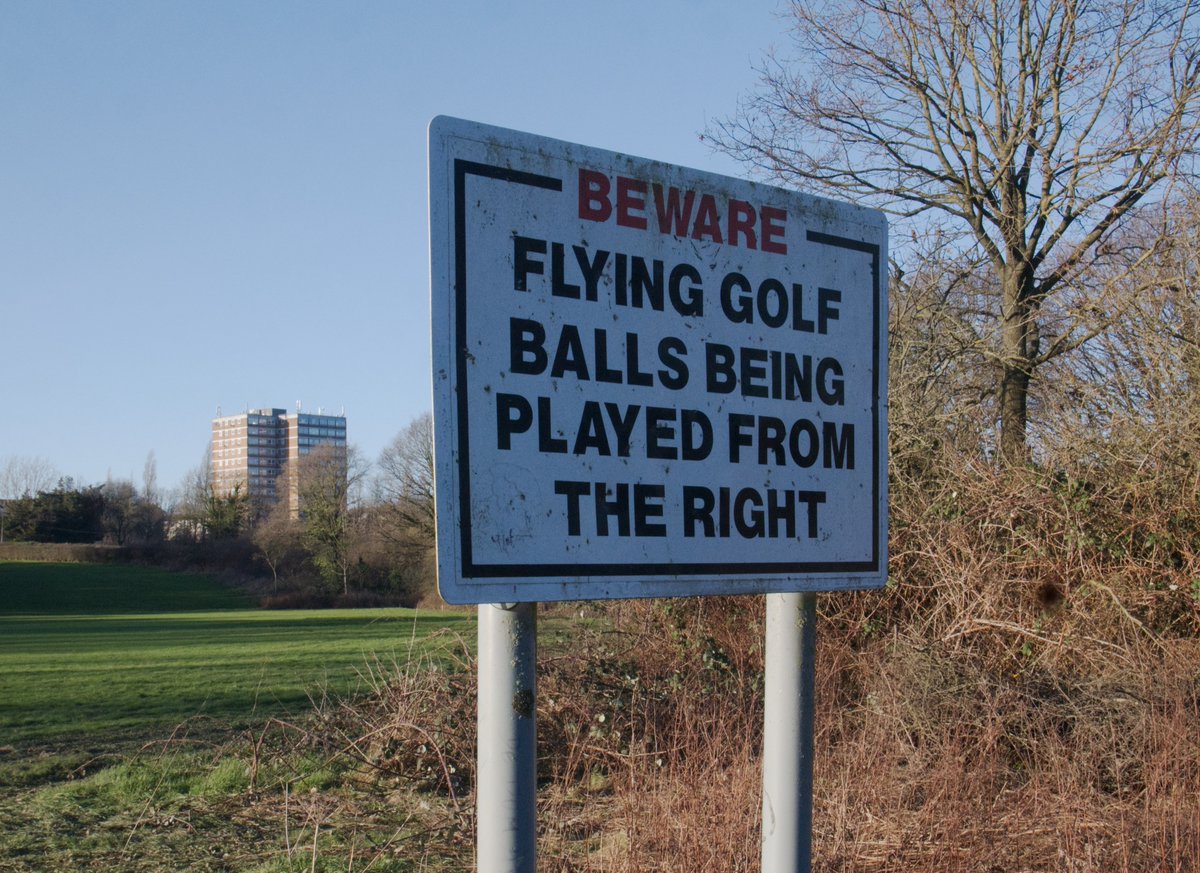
(648,380)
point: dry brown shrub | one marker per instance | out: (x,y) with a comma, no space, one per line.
(658,765)
(945,767)
(1024,697)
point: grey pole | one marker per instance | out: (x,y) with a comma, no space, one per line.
(788,733)
(506,779)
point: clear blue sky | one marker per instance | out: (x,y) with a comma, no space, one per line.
(224,203)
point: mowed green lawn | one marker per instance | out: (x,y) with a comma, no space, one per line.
(99,649)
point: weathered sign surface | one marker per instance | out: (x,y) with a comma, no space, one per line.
(648,380)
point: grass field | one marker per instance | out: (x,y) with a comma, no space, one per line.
(129,700)
(109,589)
(87,650)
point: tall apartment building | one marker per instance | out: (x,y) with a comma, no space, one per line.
(252,449)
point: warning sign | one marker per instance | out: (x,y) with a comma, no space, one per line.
(648,380)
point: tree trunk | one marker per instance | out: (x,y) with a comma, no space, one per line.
(1014,414)
(1018,350)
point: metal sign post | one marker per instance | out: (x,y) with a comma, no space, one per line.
(506,777)
(788,733)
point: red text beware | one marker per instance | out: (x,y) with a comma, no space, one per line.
(644,205)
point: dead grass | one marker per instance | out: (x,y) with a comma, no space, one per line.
(1026,697)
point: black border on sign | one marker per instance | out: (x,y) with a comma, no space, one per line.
(471,570)
(462,169)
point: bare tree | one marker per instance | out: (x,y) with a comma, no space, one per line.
(150,479)
(329,480)
(938,377)
(120,504)
(277,537)
(187,502)
(1140,379)
(1034,128)
(404,485)
(24,476)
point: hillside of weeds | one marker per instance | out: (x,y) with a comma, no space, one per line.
(1024,695)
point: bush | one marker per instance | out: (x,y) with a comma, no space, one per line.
(1022,695)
